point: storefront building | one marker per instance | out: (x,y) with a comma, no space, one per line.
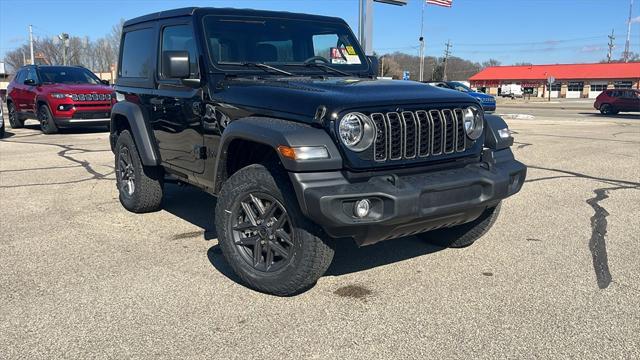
(571,80)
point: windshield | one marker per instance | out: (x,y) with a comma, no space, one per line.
(460,86)
(282,43)
(67,75)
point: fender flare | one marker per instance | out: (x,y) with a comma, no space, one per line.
(274,132)
(492,138)
(139,129)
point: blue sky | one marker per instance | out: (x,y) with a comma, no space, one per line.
(537,31)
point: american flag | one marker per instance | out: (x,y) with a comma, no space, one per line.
(446,3)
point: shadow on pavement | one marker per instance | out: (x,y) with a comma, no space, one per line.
(197,207)
(192,205)
(349,258)
(74,130)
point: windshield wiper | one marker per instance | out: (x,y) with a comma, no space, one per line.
(262,66)
(327,67)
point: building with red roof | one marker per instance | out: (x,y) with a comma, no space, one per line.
(571,80)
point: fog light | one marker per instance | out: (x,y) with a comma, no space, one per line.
(362,208)
(61,107)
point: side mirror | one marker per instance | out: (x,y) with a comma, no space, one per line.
(105,82)
(30,82)
(175,64)
(375,65)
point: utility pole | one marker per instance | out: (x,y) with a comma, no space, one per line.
(612,38)
(447,52)
(627,45)
(421,39)
(31,44)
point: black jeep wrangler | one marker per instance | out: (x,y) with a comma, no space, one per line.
(281,116)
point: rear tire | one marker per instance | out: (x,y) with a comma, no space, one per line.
(14,117)
(47,123)
(276,249)
(140,186)
(466,234)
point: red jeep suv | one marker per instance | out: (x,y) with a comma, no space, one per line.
(613,101)
(58,96)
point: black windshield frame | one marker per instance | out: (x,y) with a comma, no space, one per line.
(345,30)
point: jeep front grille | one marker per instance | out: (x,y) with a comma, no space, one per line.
(411,134)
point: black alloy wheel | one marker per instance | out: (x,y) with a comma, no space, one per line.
(47,124)
(13,117)
(126,173)
(262,232)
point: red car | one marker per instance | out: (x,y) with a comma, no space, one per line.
(613,101)
(58,97)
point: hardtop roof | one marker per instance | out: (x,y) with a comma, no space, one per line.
(190,11)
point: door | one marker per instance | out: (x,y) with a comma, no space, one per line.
(30,91)
(574,90)
(17,93)
(177,123)
(629,100)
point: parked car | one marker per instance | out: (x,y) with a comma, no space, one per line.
(487,101)
(613,101)
(280,116)
(58,97)
(511,90)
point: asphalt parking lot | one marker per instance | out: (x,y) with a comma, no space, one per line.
(557,277)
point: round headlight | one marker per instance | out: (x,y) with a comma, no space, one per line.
(356,131)
(473,122)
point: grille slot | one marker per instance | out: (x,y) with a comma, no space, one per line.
(418,134)
(424,132)
(410,134)
(380,143)
(449,131)
(395,136)
(461,143)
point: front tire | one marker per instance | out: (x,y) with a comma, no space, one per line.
(47,124)
(140,186)
(466,234)
(14,118)
(263,235)
(607,109)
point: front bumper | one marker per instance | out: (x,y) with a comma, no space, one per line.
(411,204)
(490,107)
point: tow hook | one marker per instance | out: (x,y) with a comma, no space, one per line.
(488,161)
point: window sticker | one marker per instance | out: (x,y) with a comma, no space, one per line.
(343,56)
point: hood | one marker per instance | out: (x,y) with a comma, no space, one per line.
(303,96)
(78,88)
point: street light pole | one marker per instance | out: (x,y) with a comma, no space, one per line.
(422,43)
(33,62)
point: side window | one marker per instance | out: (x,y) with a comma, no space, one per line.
(20,76)
(32,75)
(137,54)
(180,38)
